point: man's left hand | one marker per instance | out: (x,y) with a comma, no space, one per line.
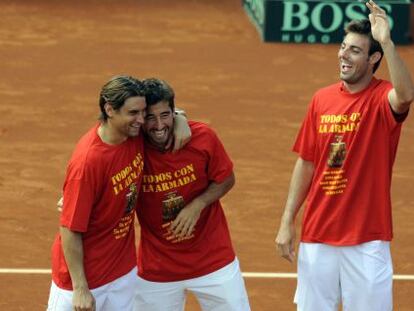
(184,225)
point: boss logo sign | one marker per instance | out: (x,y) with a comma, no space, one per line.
(320,19)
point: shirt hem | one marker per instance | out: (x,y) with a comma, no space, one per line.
(66,286)
(152,277)
(347,242)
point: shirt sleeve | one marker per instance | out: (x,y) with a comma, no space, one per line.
(219,165)
(78,199)
(306,139)
(391,118)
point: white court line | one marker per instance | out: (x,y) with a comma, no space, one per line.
(25,271)
(269,275)
(262,275)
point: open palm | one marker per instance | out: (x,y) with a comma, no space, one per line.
(380,26)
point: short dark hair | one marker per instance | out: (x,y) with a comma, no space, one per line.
(157,90)
(363,27)
(117,90)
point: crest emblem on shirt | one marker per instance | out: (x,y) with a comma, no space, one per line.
(131,198)
(171,206)
(337,152)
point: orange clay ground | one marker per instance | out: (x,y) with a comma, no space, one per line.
(55,56)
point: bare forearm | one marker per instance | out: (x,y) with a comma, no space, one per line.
(73,250)
(215,191)
(298,189)
(187,219)
(402,94)
(399,74)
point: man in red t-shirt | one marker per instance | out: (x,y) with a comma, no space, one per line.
(347,146)
(185,243)
(94,254)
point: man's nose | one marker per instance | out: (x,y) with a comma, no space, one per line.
(343,53)
(159,124)
(140,118)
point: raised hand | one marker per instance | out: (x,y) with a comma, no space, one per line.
(380,26)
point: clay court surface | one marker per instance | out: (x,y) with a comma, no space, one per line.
(55,56)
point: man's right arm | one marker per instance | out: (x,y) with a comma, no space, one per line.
(298,190)
(186,220)
(72,245)
(401,96)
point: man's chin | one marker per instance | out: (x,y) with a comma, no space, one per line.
(162,144)
(134,133)
(157,143)
(346,78)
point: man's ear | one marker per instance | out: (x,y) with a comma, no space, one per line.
(375,57)
(109,110)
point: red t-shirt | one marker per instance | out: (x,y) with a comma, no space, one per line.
(352,141)
(172,180)
(100,194)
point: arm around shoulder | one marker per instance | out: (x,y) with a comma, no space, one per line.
(182,131)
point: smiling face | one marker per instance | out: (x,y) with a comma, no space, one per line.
(159,125)
(355,64)
(126,121)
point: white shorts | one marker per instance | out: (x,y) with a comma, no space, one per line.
(114,296)
(360,276)
(222,290)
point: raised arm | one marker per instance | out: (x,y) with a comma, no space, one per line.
(73,250)
(186,220)
(402,94)
(298,190)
